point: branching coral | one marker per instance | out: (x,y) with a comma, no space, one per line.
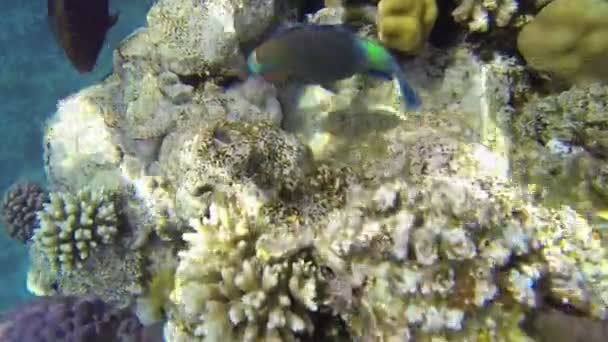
(229,288)
(72,226)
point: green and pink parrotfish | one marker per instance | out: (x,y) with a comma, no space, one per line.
(320,54)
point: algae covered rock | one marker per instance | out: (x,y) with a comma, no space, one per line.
(80,149)
(73,226)
(561,146)
(198,37)
(233,158)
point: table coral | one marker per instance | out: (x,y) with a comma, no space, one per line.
(405,25)
(567,38)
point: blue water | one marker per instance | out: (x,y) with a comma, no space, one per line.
(34,75)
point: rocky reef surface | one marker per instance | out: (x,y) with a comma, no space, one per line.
(239,210)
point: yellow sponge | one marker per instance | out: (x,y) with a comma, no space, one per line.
(569,39)
(405,25)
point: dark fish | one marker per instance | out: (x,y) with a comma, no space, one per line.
(80,27)
(319,54)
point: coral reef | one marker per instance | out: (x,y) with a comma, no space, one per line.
(72,318)
(405,25)
(566,39)
(20,204)
(72,226)
(257,211)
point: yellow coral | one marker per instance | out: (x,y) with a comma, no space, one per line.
(568,38)
(405,25)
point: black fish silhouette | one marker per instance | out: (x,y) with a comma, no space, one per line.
(80,27)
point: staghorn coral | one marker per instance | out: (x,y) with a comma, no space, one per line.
(567,39)
(405,25)
(72,318)
(446,258)
(72,226)
(229,287)
(19,206)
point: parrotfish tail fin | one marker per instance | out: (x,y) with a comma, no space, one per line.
(410,97)
(381,63)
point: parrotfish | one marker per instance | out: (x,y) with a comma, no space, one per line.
(80,27)
(321,54)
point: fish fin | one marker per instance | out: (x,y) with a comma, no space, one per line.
(113,19)
(411,99)
(381,62)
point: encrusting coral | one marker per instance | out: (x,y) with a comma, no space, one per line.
(228,287)
(72,226)
(568,39)
(20,204)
